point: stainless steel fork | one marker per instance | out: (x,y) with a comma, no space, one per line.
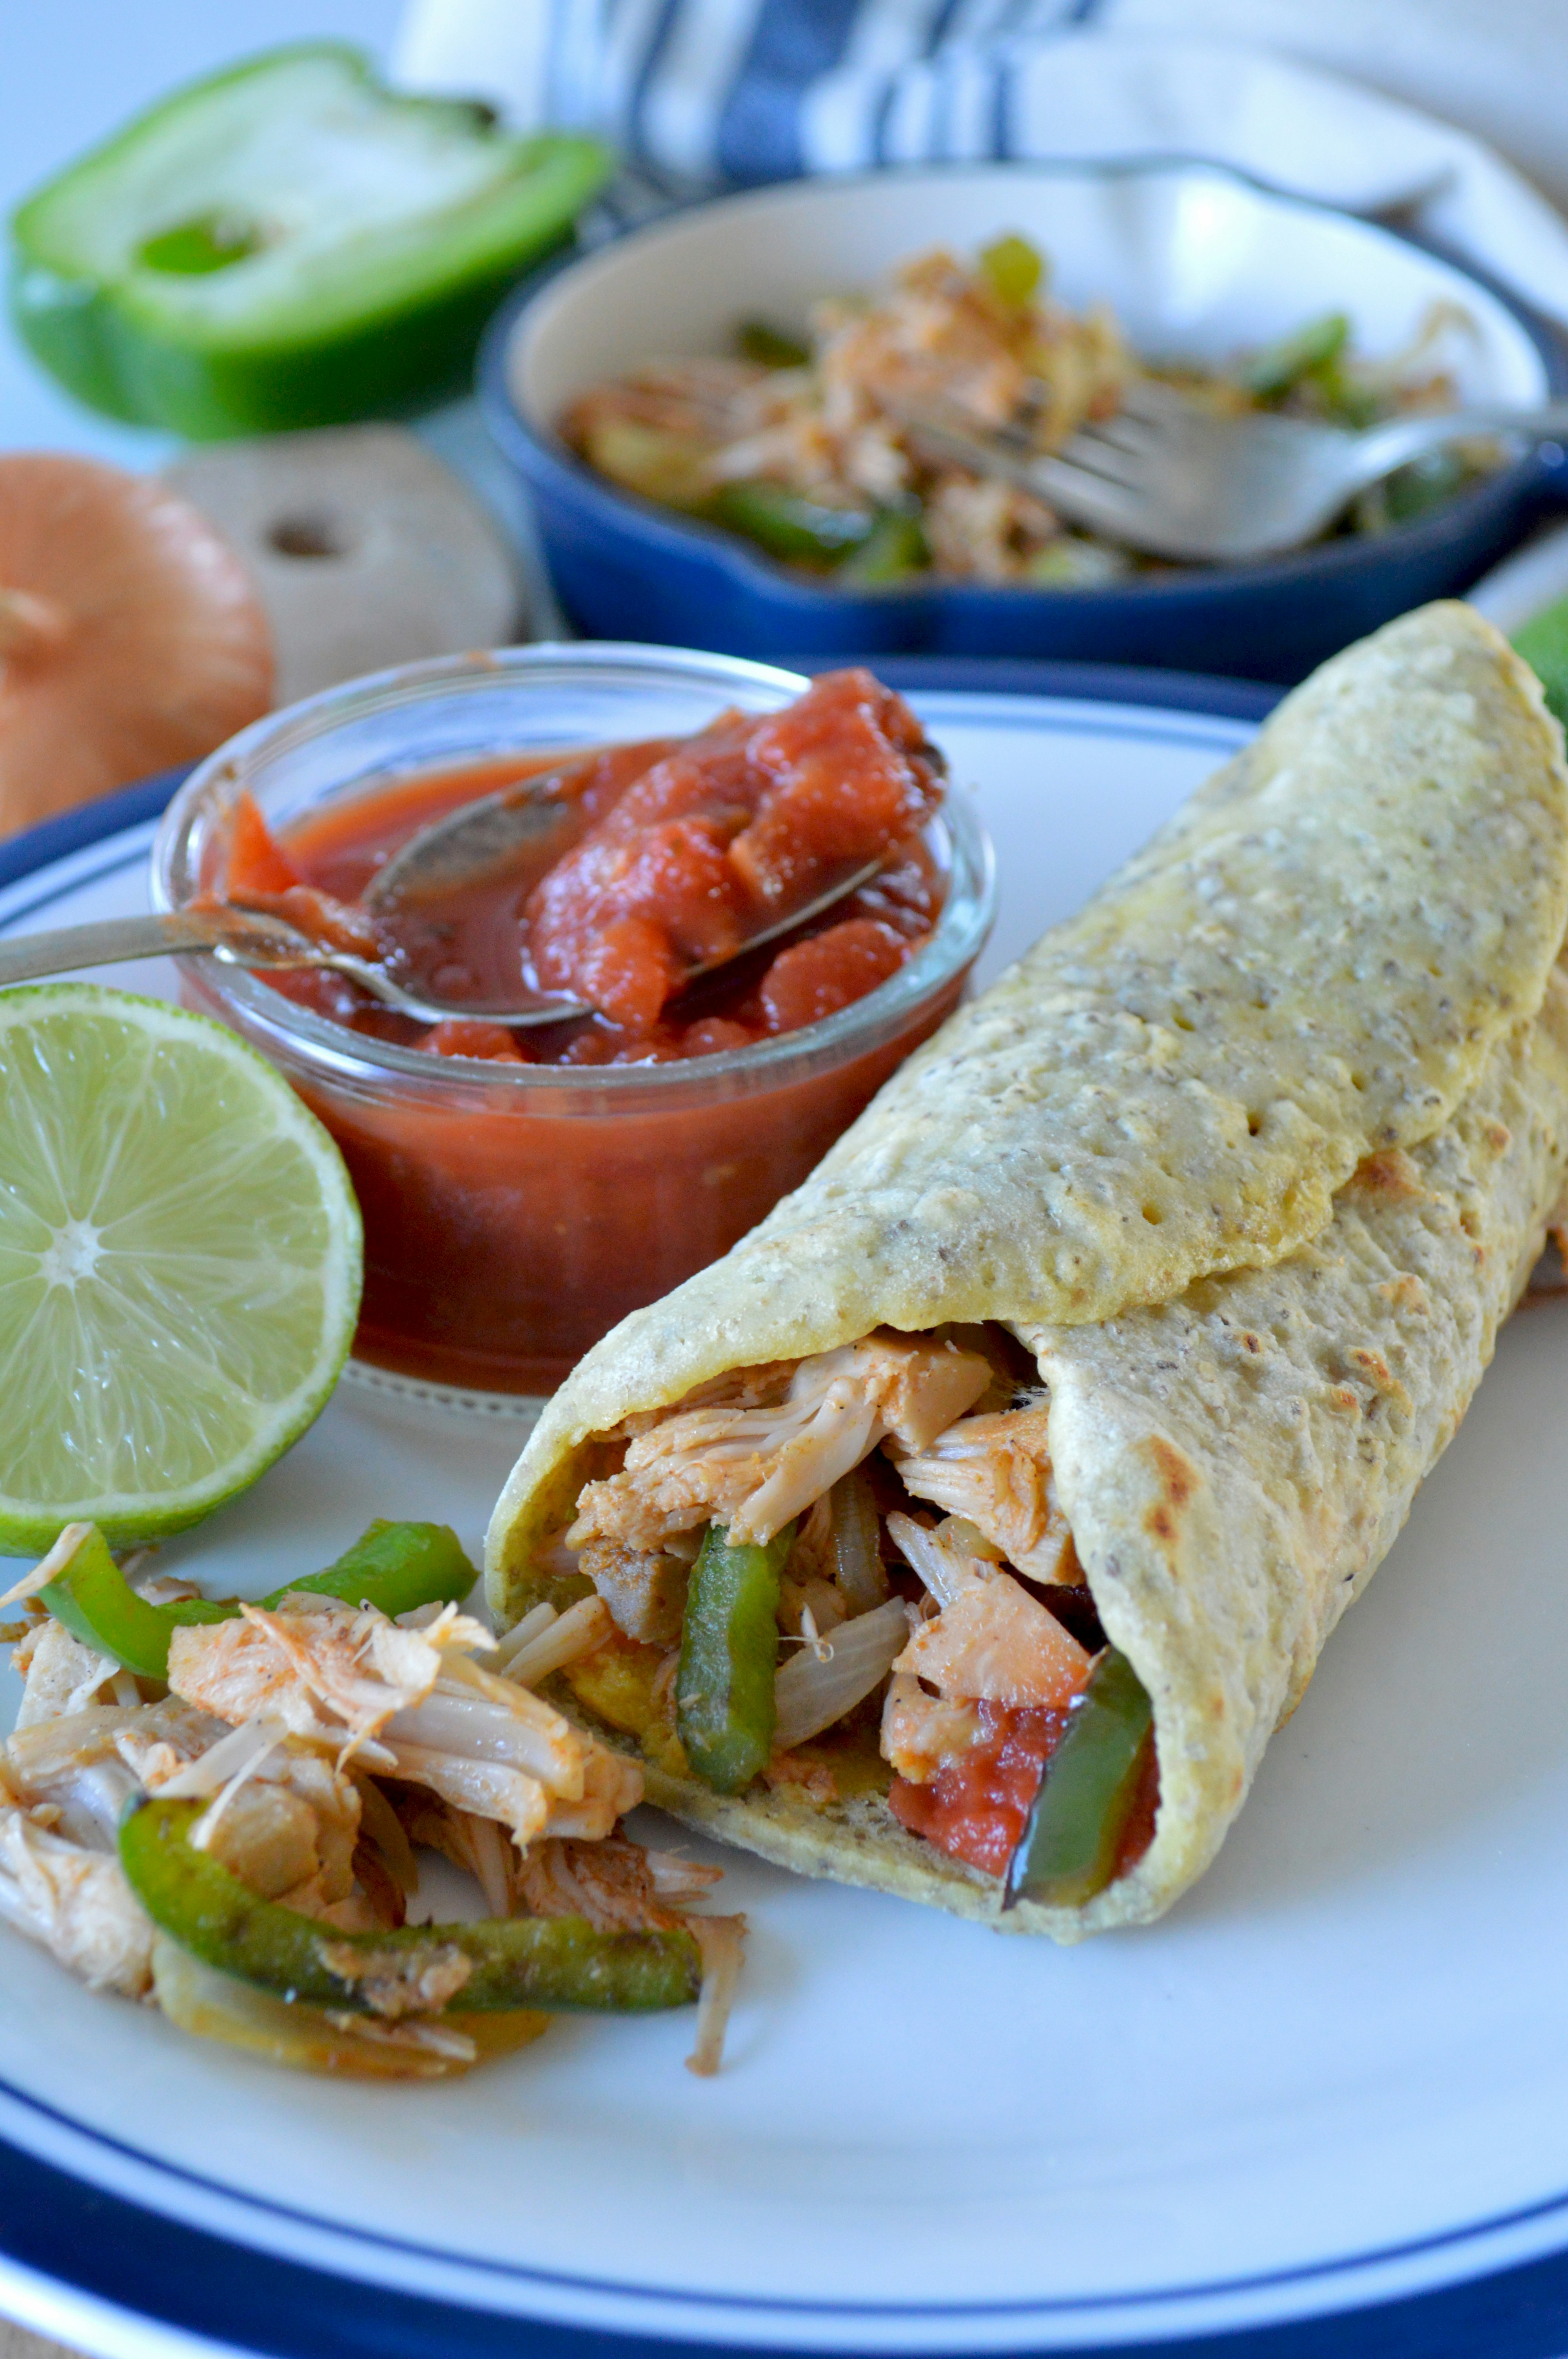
(1169,477)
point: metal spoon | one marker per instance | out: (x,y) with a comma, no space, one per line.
(468,846)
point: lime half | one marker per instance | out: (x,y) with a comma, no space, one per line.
(179,1265)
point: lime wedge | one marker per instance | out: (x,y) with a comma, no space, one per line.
(180,1265)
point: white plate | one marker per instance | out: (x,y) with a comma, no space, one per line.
(1336,2075)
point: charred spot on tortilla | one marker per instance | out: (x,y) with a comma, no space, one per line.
(1091,1456)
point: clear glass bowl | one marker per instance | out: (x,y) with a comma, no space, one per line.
(514,1213)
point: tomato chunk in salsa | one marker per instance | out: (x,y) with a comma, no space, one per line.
(684,851)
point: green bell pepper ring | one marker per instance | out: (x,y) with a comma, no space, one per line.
(554,1962)
(396,1567)
(725,1709)
(285,244)
(1067,1851)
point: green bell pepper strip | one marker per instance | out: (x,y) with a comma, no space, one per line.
(725,1711)
(769,347)
(787,526)
(1280,366)
(1543,644)
(396,1567)
(894,551)
(554,1962)
(1067,1851)
(285,244)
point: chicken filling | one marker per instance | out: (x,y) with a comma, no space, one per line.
(322,1743)
(894,1503)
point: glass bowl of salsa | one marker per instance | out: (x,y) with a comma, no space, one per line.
(523,1191)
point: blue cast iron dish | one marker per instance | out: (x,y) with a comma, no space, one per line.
(1196,262)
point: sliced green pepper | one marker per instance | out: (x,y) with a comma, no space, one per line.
(1280,366)
(393,1566)
(788,525)
(514,1962)
(769,347)
(725,1711)
(285,244)
(894,550)
(1067,1851)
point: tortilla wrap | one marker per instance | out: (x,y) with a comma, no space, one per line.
(1254,1155)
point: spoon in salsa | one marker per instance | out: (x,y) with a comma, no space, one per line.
(468,848)
(633,872)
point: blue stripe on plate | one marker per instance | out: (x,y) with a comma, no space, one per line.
(114,2250)
(73,831)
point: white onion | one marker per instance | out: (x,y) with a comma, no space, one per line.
(857,1554)
(811,1694)
(924,1552)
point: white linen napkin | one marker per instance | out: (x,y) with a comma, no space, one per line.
(709,92)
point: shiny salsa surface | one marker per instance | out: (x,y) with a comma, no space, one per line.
(679,853)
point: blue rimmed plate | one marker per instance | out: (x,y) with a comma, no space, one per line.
(1322,2108)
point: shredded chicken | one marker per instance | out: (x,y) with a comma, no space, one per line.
(394,1983)
(921,1733)
(63,1674)
(613,1885)
(84,1765)
(645,1589)
(996,1472)
(999,1645)
(755,1469)
(76,1902)
(990,1641)
(410,1704)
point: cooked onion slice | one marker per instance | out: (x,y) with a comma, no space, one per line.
(817,1688)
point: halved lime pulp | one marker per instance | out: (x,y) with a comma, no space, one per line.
(181,1257)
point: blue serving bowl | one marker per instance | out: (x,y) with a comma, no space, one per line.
(1196,263)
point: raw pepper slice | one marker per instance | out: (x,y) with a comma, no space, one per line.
(285,244)
(554,1962)
(393,1566)
(1067,1851)
(729,1659)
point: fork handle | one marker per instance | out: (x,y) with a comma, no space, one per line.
(112,939)
(1380,449)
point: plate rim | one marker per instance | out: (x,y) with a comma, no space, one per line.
(76,2255)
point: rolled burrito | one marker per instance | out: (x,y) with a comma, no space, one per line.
(968,1529)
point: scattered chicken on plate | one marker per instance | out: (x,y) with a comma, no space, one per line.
(236,1841)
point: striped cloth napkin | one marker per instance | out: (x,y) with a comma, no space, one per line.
(709,93)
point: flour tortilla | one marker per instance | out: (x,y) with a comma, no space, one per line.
(1253,1156)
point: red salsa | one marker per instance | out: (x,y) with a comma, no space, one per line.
(682,852)
(514,1212)
(976,1807)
